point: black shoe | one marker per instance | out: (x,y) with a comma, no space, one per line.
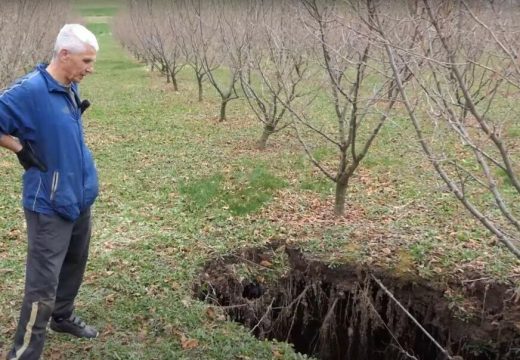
(74,326)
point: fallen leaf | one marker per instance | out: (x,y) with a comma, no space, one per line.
(188,344)
(277,354)
(210,312)
(266,263)
(109,299)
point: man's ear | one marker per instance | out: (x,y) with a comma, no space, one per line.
(64,54)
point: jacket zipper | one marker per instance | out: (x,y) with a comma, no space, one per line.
(37,193)
(78,121)
(54,186)
(77,118)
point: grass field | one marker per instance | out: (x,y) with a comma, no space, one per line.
(178,189)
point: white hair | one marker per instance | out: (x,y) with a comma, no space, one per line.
(75,38)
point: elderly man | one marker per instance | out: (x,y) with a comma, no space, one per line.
(40,120)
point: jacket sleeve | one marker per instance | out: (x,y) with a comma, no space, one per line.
(14,119)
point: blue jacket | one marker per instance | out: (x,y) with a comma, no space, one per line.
(38,110)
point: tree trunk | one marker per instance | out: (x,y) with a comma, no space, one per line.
(199,84)
(341,194)
(174,82)
(165,70)
(223,110)
(262,142)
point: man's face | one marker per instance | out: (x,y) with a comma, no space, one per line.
(78,65)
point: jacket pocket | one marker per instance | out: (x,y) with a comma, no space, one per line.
(64,193)
(34,190)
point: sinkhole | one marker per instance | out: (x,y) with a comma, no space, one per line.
(351,312)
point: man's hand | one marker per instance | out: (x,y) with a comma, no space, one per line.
(28,159)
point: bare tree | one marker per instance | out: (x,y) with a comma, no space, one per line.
(122,28)
(205,34)
(171,44)
(155,34)
(28,30)
(470,52)
(224,37)
(192,41)
(276,65)
(358,80)
(133,29)
(164,38)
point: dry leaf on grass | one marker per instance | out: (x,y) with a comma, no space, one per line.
(210,312)
(265,263)
(277,354)
(188,344)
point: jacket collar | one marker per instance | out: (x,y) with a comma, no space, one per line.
(52,84)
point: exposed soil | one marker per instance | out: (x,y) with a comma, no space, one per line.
(346,312)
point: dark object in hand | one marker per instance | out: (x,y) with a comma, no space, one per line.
(28,159)
(84,105)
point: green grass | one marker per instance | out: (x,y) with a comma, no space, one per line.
(99,11)
(99,28)
(178,189)
(201,192)
(97,7)
(245,194)
(254,193)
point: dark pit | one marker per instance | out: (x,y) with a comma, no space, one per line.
(350,312)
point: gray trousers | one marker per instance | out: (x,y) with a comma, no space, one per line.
(56,260)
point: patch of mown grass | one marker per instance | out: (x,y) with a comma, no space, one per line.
(118,65)
(97,7)
(421,249)
(257,191)
(247,201)
(261,179)
(323,153)
(505,178)
(99,11)
(99,28)
(319,185)
(382,161)
(243,194)
(202,192)
(514,132)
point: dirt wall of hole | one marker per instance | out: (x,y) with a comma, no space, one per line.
(343,313)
